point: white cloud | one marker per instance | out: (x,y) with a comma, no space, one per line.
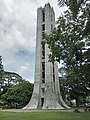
(16,25)
(24,68)
(18,34)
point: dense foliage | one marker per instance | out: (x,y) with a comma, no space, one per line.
(17,96)
(15,92)
(70,42)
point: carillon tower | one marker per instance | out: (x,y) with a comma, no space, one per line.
(46,93)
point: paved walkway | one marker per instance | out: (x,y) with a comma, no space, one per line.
(21,110)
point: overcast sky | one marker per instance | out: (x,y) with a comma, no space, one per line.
(18,34)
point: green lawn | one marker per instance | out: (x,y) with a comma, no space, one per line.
(44,116)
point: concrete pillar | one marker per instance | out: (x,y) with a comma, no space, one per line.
(46,93)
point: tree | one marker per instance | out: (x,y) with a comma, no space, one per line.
(75,6)
(1,65)
(14,91)
(7,80)
(70,42)
(17,96)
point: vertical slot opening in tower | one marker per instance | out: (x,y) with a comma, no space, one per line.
(43,50)
(43,27)
(42,102)
(43,72)
(54,75)
(43,15)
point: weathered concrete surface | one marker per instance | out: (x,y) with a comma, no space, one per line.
(45,95)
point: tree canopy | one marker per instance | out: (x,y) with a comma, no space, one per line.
(15,92)
(17,96)
(70,42)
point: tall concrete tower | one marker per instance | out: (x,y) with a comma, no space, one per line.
(46,93)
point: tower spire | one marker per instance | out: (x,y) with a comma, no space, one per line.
(46,93)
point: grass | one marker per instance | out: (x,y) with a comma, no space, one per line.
(44,116)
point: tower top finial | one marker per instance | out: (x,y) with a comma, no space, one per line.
(48,4)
